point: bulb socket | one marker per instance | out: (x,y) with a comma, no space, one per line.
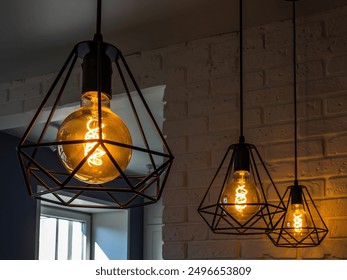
(90,75)
(241,158)
(296,194)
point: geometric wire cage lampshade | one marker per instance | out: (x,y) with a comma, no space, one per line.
(302,225)
(236,200)
(92,147)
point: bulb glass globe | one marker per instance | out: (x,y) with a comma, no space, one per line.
(240,197)
(83,124)
(296,220)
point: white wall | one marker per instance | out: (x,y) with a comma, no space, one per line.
(110,235)
(153,225)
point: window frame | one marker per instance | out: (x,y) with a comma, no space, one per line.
(67,214)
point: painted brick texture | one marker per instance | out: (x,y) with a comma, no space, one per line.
(202,118)
(208,123)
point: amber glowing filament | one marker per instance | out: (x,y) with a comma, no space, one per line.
(93,133)
(297,222)
(240,196)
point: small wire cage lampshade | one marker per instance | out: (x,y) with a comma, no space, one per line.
(90,150)
(302,225)
(236,200)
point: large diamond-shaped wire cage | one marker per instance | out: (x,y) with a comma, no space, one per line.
(212,208)
(46,178)
(310,236)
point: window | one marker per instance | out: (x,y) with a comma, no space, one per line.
(64,234)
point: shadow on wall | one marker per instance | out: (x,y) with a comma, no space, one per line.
(18,210)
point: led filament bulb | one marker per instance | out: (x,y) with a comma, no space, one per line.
(240,197)
(296,220)
(83,124)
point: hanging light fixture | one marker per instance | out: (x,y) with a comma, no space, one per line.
(303,225)
(236,200)
(94,145)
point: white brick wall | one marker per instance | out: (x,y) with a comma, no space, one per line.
(198,147)
(201,115)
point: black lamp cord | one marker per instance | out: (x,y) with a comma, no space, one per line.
(98,35)
(98,39)
(241,138)
(295,94)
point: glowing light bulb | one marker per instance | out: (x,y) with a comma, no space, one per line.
(296,220)
(242,196)
(83,124)
(93,133)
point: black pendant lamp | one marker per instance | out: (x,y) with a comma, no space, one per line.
(82,161)
(236,200)
(302,225)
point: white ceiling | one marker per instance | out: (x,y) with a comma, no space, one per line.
(37,35)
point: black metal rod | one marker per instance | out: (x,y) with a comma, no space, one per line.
(48,190)
(241,74)
(39,110)
(74,197)
(271,180)
(78,167)
(95,141)
(56,101)
(314,206)
(131,76)
(213,179)
(23,166)
(40,167)
(158,170)
(164,180)
(134,111)
(116,165)
(116,201)
(99,189)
